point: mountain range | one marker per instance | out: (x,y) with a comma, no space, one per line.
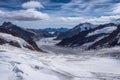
(76,30)
(55,31)
(85,35)
(93,37)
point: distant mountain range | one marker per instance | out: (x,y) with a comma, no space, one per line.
(55,31)
(84,35)
(40,33)
(92,37)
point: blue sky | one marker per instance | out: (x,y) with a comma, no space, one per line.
(58,13)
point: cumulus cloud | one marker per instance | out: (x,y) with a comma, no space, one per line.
(32,4)
(28,14)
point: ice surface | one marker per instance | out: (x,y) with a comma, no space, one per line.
(24,64)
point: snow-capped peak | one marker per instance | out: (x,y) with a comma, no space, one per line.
(84,26)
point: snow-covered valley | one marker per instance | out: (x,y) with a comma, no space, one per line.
(23,64)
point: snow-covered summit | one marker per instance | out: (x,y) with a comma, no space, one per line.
(104,35)
(76,30)
(83,27)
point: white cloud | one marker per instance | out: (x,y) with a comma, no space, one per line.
(93,20)
(23,15)
(29,14)
(32,4)
(116,9)
(103,19)
(70,19)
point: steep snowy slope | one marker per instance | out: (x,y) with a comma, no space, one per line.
(104,30)
(102,36)
(14,39)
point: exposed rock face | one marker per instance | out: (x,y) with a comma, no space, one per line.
(112,39)
(106,35)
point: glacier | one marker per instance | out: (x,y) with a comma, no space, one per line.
(24,64)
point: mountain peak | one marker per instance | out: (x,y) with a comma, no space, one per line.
(83,26)
(6,23)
